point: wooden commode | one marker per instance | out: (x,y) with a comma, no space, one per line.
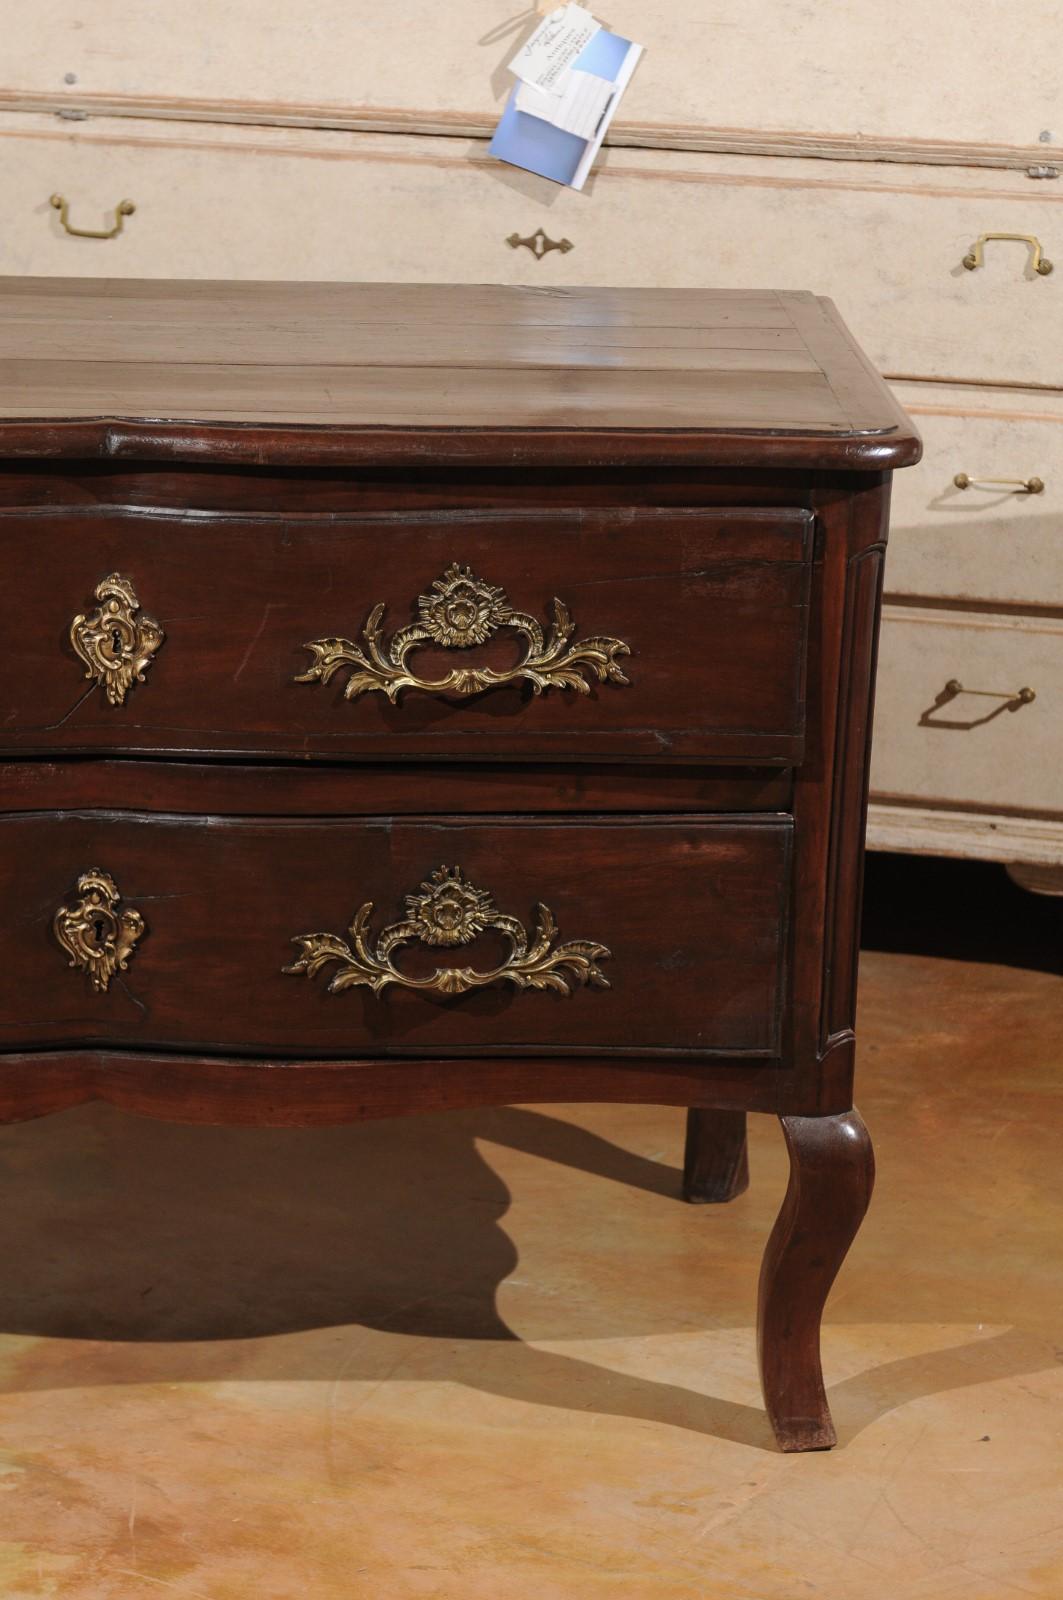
(422,697)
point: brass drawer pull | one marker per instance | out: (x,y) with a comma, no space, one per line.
(540,244)
(448,910)
(962,480)
(1021,697)
(461,611)
(116,645)
(123,209)
(975,257)
(97,932)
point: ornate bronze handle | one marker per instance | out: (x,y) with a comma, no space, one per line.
(123,209)
(459,612)
(115,644)
(1021,696)
(975,257)
(540,244)
(97,932)
(448,910)
(1017,485)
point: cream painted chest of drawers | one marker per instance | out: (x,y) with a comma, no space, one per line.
(770,146)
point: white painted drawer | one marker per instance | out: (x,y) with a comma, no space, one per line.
(978,750)
(295,203)
(986,542)
(941,73)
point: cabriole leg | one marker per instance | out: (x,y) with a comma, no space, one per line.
(832,1172)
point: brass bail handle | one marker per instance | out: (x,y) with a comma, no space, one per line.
(124,208)
(1022,696)
(458,612)
(975,257)
(447,911)
(963,480)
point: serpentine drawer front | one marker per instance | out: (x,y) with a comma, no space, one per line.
(631,632)
(420,697)
(601,934)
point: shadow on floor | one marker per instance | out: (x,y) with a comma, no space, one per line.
(130,1229)
(961,910)
(146,1253)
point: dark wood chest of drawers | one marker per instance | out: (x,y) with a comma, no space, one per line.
(429,697)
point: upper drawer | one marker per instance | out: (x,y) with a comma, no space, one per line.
(287,203)
(1001,537)
(558,634)
(729,67)
(395,936)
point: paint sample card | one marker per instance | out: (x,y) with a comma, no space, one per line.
(554,125)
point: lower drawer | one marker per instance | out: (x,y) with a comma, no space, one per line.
(411,937)
(954,720)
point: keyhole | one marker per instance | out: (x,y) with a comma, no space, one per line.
(99,928)
(116,641)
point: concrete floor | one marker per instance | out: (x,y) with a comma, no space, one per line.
(492,1355)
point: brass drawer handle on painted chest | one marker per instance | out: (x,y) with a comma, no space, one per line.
(123,209)
(963,480)
(447,910)
(116,645)
(458,612)
(540,244)
(97,932)
(1021,697)
(975,257)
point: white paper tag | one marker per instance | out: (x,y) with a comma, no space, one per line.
(578,110)
(545,59)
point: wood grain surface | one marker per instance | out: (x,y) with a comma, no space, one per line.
(490,365)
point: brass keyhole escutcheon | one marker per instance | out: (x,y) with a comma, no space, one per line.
(539,243)
(117,642)
(97,932)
